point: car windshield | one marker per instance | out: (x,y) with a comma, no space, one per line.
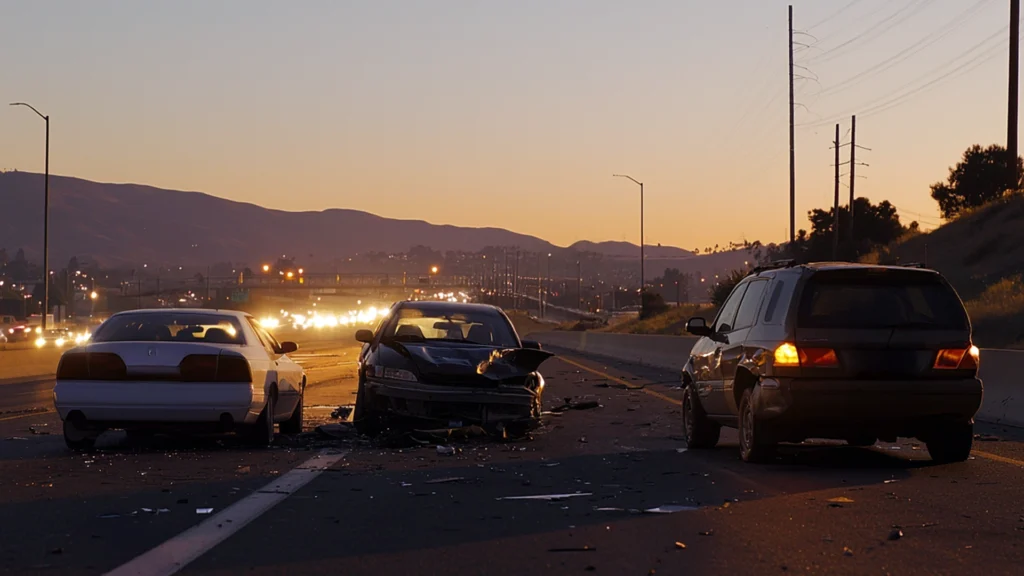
(881,302)
(171,327)
(482,328)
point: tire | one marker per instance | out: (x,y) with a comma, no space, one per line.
(366,421)
(952,444)
(262,432)
(699,432)
(294,424)
(861,441)
(754,447)
(78,440)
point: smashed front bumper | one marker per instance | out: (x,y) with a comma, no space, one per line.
(477,405)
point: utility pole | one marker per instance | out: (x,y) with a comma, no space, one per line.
(853,174)
(579,285)
(835,205)
(540,286)
(1014,101)
(792,137)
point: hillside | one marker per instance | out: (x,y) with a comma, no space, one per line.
(128,223)
(982,255)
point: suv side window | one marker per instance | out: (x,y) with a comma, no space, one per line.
(727,315)
(778,302)
(750,305)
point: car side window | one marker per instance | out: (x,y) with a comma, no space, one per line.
(727,316)
(750,304)
(260,336)
(274,344)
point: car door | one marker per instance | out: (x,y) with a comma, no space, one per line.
(714,402)
(289,384)
(734,345)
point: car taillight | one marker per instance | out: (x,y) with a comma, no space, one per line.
(233,369)
(91,366)
(957,358)
(214,368)
(789,355)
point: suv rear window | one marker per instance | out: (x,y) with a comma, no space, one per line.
(880,299)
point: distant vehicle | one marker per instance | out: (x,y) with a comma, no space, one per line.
(450,364)
(54,338)
(21,332)
(179,370)
(839,351)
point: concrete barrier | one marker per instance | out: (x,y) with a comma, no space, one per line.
(668,352)
(1000,369)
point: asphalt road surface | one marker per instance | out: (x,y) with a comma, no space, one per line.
(338,505)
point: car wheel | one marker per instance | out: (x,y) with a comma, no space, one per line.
(861,441)
(366,421)
(952,444)
(262,433)
(698,431)
(753,445)
(77,439)
(294,424)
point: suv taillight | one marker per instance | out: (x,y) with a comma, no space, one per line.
(957,358)
(789,355)
(91,366)
(214,368)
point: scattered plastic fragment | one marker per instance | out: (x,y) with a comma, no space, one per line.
(582,440)
(840,500)
(551,464)
(547,497)
(406,484)
(342,412)
(896,534)
(108,516)
(680,546)
(570,405)
(243,470)
(706,533)
(669,509)
(445,450)
(680,450)
(890,481)
(847,551)
(204,511)
(609,509)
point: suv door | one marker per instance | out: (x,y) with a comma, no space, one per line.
(712,390)
(734,347)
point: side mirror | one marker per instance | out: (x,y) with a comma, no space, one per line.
(698,327)
(531,345)
(288,347)
(364,336)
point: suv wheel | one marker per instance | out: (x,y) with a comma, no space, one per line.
(698,431)
(951,444)
(753,446)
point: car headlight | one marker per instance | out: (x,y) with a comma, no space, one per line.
(40,342)
(394,374)
(59,342)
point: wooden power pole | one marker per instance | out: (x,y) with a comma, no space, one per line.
(1011,120)
(835,205)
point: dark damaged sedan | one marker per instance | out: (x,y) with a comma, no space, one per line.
(448,364)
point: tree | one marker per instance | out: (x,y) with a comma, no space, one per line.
(983,175)
(874,224)
(721,290)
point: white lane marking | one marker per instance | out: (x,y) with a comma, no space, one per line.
(176,553)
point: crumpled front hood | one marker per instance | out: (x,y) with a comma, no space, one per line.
(474,363)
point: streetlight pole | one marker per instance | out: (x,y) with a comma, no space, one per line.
(46,215)
(642,280)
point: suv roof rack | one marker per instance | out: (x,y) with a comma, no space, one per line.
(774,265)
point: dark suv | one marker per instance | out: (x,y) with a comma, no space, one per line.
(840,351)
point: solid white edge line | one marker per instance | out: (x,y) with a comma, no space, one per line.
(176,553)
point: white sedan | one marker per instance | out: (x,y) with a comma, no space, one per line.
(171,369)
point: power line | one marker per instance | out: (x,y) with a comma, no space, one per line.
(835,14)
(886,24)
(907,90)
(922,44)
